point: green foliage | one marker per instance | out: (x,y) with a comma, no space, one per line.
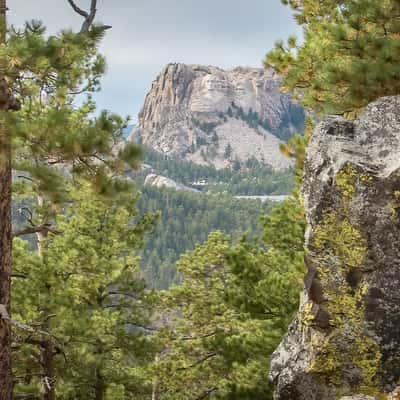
(85,245)
(349,56)
(186,219)
(78,288)
(252,179)
(207,127)
(81,293)
(228,151)
(230,312)
(53,138)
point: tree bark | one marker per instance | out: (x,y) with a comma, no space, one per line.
(6,383)
(49,371)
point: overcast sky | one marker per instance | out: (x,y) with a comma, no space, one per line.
(148,34)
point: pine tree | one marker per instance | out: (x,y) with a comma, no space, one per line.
(89,310)
(7,103)
(48,137)
(349,57)
(230,312)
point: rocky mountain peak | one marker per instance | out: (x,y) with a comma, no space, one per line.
(213,116)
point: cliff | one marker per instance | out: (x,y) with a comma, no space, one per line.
(345,340)
(211,116)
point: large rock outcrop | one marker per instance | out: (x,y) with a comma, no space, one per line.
(345,340)
(211,116)
(160,181)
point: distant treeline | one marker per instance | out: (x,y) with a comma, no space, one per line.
(253,178)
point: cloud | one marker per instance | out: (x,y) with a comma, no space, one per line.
(148,34)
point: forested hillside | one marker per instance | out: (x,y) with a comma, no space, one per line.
(186,219)
(250,179)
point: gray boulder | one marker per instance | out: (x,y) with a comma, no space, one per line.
(345,340)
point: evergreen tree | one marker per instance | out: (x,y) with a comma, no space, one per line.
(349,57)
(229,313)
(48,137)
(89,310)
(7,104)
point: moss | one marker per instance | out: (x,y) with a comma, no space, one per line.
(340,248)
(347,346)
(339,238)
(348,178)
(366,178)
(346,181)
(394,206)
(307,314)
(326,361)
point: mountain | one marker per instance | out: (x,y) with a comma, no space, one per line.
(217,117)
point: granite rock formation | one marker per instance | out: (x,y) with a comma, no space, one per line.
(160,181)
(345,341)
(211,116)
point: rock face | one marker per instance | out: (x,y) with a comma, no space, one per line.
(160,181)
(211,116)
(345,340)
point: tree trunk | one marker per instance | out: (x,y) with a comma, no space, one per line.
(5,262)
(48,370)
(6,382)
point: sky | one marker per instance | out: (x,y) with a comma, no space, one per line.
(146,35)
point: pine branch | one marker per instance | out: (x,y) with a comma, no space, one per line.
(205,336)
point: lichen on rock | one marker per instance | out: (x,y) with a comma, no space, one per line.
(345,340)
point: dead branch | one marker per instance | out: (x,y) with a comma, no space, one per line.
(19,325)
(88,16)
(44,229)
(199,361)
(207,394)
